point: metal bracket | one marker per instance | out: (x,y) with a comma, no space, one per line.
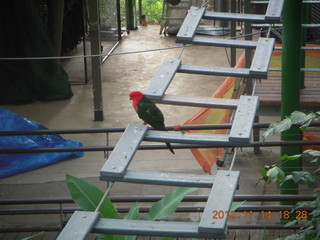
(79,226)
(262,57)
(163,78)
(274,11)
(190,23)
(121,156)
(242,124)
(219,201)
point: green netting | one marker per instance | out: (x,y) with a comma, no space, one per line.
(23,35)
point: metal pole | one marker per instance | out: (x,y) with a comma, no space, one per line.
(96,61)
(119,19)
(290,93)
(304,20)
(233,33)
(248,52)
(131,14)
(56,18)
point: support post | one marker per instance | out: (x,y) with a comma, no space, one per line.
(233,33)
(131,15)
(119,19)
(304,20)
(56,9)
(290,93)
(248,52)
(96,61)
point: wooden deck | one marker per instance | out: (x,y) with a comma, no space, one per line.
(269,91)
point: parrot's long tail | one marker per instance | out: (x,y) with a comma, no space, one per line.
(169,147)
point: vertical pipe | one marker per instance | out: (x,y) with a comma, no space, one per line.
(96,61)
(248,52)
(119,19)
(304,19)
(290,85)
(140,12)
(131,14)
(84,24)
(233,54)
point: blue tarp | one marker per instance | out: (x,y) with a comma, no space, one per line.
(11,164)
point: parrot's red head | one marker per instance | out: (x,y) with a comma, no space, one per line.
(135,96)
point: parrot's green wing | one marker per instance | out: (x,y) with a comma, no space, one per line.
(150,113)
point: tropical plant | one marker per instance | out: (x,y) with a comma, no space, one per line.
(311,223)
(88,197)
(152,9)
(33,236)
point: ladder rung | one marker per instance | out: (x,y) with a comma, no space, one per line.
(262,57)
(162,178)
(190,23)
(121,156)
(210,41)
(258,18)
(79,226)
(192,101)
(274,11)
(244,118)
(307,25)
(220,200)
(272,15)
(163,78)
(151,228)
(212,70)
(191,138)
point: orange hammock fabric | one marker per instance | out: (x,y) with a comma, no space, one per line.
(207,157)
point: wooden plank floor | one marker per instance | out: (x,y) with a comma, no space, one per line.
(269,90)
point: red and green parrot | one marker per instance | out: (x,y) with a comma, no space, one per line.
(148,112)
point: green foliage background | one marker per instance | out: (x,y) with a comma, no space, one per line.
(151,8)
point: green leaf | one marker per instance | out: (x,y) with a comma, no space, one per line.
(263,172)
(298,117)
(314,162)
(275,174)
(313,153)
(168,205)
(133,214)
(294,157)
(293,237)
(284,125)
(33,236)
(88,196)
(301,176)
(265,235)
(277,127)
(291,223)
(236,205)
(270,131)
(169,238)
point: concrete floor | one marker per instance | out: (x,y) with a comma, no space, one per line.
(121,75)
